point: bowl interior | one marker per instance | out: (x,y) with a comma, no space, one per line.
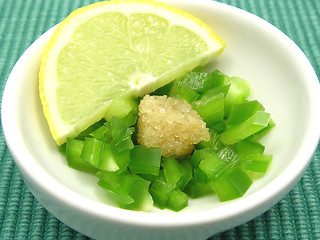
(280,76)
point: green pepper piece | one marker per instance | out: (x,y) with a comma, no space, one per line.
(177,200)
(249,146)
(129,191)
(217,163)
(199,176)
(122,159)
(199,81)
(241,112)
(186,93)
(240,180)
(160,192)
(166,187)
(196,190)
(187,173)
(63,148)
(73,154)
(214,142)
(213,166)
(265,130)
(199,155)
(165,90)
(121,107)
(123,144)
(90,129)
(173,171)
(118,134)
(245,129)
(107,160)
(228,154)
(256,162)
(112,182)
(99,133)
(145,160)
(232,185)
(91,152)
(138,189)
(219,127)
(130,119)
(238,92)
(118,129)
(215,91)
(122,199)
(211,110)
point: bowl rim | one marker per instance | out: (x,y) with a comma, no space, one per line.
(257,200)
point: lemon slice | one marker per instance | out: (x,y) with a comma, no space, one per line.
(116,48)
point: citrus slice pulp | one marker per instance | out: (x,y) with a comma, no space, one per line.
(116,48)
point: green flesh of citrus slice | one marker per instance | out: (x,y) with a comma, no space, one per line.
(118,48)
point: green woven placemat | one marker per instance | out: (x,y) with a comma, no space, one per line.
(297,216)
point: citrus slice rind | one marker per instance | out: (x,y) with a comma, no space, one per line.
(122,47)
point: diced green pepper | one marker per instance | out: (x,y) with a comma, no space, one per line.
(238,92)
(123,145)
(112,182)
(199,81)
(228,154)
(118,130)
(173,171)
(214,142)
(249,146)
(265,130)
(91,152)
(130,119)
(119,135)
(196,190)
(122,199)
(138,189)
(213,166)
(186,93)
(121,107)
(128,190)
(152,178)
(145,160)
(135,177)
(100,133)
(211,110)
(240,180)
(107,160)
(199,176)
(199,155)
(122,159)
(187,174)
(219,127)
(165,90)
(73,154)
(63,148)
(177,200)
(256,162)
(166,187)
(90,129)
(160,192)
(241,112)
(215,91)
(233,185)
(245,129)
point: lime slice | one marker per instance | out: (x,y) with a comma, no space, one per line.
(116,48)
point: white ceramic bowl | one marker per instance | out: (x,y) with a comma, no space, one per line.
(281,78)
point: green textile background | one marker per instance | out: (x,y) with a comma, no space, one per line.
(297,216)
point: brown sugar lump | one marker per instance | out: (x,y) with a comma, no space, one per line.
(171,124)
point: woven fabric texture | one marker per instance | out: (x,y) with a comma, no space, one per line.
(296,216)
